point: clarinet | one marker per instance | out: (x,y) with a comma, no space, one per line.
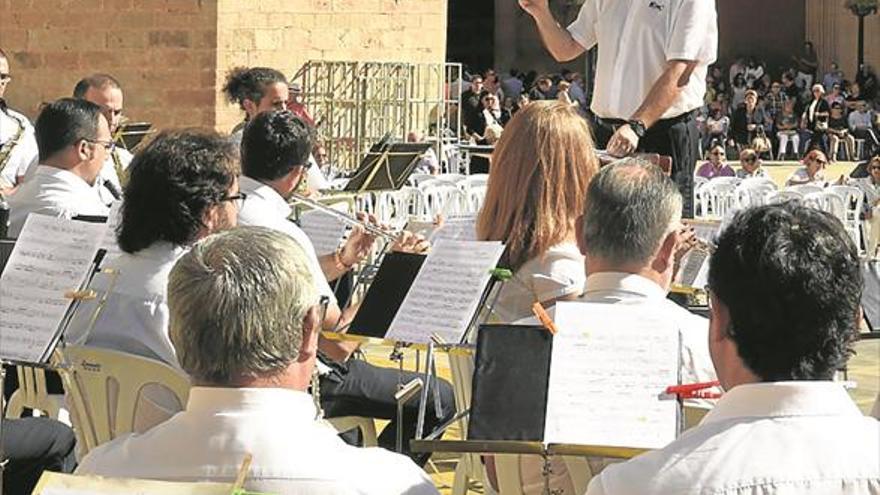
(7,147)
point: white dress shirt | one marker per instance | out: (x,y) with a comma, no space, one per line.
(25,152)
(108,172)
(292,453)
(55,192)
(557,273)
(783,438)
(264,207)
(134,318)
(636,38)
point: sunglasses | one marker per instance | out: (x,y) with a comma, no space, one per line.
(751,159)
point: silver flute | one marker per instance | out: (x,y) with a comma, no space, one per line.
(390,235)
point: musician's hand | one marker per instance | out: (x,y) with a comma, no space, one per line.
(359,243)
(687,240)
(623,143)
(409,242)
(535,7)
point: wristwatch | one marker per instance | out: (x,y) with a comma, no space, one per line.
(638,127)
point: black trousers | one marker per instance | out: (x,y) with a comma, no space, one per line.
(34,445)
(357,388)
(678,138)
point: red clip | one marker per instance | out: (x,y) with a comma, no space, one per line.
(694,390)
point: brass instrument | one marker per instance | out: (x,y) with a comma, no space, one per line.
(390,235)
(7,147)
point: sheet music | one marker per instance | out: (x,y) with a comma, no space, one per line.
(52,256)
(694,271)
(446,291)
(108,242)
(608,366)
(457,228)
(324,230)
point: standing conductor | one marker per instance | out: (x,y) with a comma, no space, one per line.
(651,74)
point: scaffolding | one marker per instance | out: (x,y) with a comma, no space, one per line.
(356,104)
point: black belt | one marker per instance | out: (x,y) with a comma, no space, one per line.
(613,124)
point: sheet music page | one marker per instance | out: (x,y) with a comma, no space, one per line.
(52,256)
(694,271)
(108,242)
(457,228)
(324,230)
(608,366)
(446,291)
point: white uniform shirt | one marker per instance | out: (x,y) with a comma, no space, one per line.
(25,152)
(636,38)
(292,453)
(55,192)
(134,318)
(783,438)
(557,273)
(264,207)
(108,172)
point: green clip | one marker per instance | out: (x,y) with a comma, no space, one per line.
(502,274)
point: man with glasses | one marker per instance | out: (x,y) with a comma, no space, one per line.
(18,147)
(182,187)
(106,92)
(74,139)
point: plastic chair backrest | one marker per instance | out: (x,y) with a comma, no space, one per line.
(752,192)
(89,374)
(782,196)
(32,393)
(804,189)
(827,201)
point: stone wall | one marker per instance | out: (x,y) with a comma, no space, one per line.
(172,55)
(834,32)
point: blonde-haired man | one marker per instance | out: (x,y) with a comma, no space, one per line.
(245,320)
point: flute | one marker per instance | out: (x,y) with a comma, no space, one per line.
(390,235)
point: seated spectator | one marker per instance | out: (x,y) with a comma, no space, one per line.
(754,72)
(738,90)
(870,186)
(512,85)
(838,131)
(776,339)
(835,95)
(492,84)
(249,293)
(521,103)
(750,165)
(543,89)
(748,120)
(816,117)
(563,95)
(860,122)
(717,127)
(854,97)
(491,115)
(787,129)
(74,139)
(31,446)
(813,171)
(774,100)
(833,76)
(470,105)
(716,165)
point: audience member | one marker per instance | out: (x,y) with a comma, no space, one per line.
(470,105)
(838,131)
(245,320)
(787,129)
(512,85)
(861,126)
(539,175)
(854,97)
(296,104)
(73,138)
(750,165)
(833,76)
(748,120)
(543,89)
(813,171)
(867,80)
(717,127)
(776,339)
(716,165)
(807,63)
(816,117)
(14,127)
(835,96)
(870,186)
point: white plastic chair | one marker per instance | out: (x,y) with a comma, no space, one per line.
(366,426)
(853,203)
(102,388)
(828,202)
(805,189)
(32,393)
(782,196)
(718,196)
(752,192)
(444,198)
(699,208)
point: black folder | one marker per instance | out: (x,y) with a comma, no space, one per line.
(509,394)
(385,295)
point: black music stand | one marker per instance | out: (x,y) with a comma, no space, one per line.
(134,132)
(386,167)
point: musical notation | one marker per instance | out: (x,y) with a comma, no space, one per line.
(324,230)
(694,271)
(51,257)
(446,291)
(608,366)
(458,228)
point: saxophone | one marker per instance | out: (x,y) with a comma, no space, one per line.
(7,147)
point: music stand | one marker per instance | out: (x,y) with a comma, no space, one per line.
(134,132)
(386,167)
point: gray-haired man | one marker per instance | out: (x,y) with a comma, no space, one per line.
(245,321)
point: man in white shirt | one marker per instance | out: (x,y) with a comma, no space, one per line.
(74,139)
(106,92)
(651,73)
(776,338)
(18,147)
(861,124)
(275,150)
(245,320)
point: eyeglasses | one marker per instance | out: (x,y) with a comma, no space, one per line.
(819,162)
(108,145)
(5,77)
(715,153)
(751,159)
(237,199)
(874,167)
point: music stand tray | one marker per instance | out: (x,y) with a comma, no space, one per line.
(133,133)
(387,167)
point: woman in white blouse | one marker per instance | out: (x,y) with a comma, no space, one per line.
(537,186)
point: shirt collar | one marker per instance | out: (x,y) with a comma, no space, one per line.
(293,403)
(264,192)
(65,176)
(778,399)
(623,282)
